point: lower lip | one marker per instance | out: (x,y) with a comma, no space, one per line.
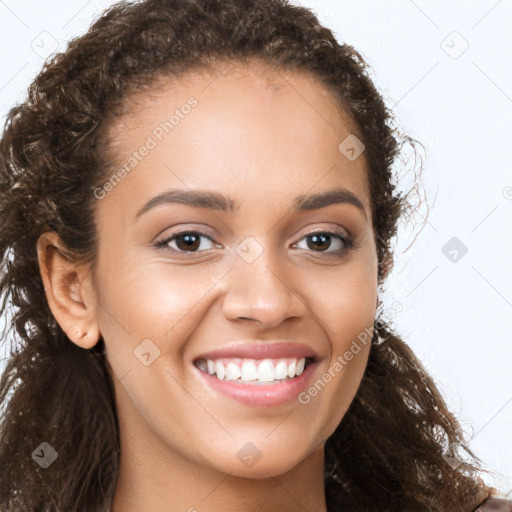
(261,394)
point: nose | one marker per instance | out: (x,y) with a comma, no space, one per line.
(260,293)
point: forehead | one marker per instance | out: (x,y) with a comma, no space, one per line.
(233,127)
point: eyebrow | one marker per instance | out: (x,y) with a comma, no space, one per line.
(218,202)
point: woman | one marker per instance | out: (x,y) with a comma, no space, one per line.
(198,206)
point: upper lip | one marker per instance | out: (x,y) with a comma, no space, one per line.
(261,350)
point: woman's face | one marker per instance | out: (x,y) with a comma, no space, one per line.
(261,289)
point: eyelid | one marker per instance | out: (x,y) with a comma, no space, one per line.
(164,241)
(337,230)
(342,234)
(346,239)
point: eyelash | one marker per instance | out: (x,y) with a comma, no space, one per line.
(348,242)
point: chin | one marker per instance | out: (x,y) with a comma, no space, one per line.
(257,465)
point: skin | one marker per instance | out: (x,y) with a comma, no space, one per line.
(262,138)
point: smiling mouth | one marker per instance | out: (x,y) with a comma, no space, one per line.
(254,371)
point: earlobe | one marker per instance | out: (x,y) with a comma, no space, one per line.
(69,291)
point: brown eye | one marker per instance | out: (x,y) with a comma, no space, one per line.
(185,241)
(322,241)
(188,242)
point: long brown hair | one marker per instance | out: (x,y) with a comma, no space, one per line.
(388,452)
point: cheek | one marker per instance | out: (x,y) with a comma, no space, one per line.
(346,302)
(150,301)
(351,332)
(347,306)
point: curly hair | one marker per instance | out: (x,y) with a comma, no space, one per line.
(389,450)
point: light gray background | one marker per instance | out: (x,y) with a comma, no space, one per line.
(457,102)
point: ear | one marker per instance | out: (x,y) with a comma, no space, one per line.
(69,290)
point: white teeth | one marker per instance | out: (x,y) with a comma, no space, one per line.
(254,371)
(232,371)
(219,368)
(300,366)
(249,371)
(291,369)
(281,370)
(266,371)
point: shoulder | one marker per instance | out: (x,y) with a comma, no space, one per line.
(495,504)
